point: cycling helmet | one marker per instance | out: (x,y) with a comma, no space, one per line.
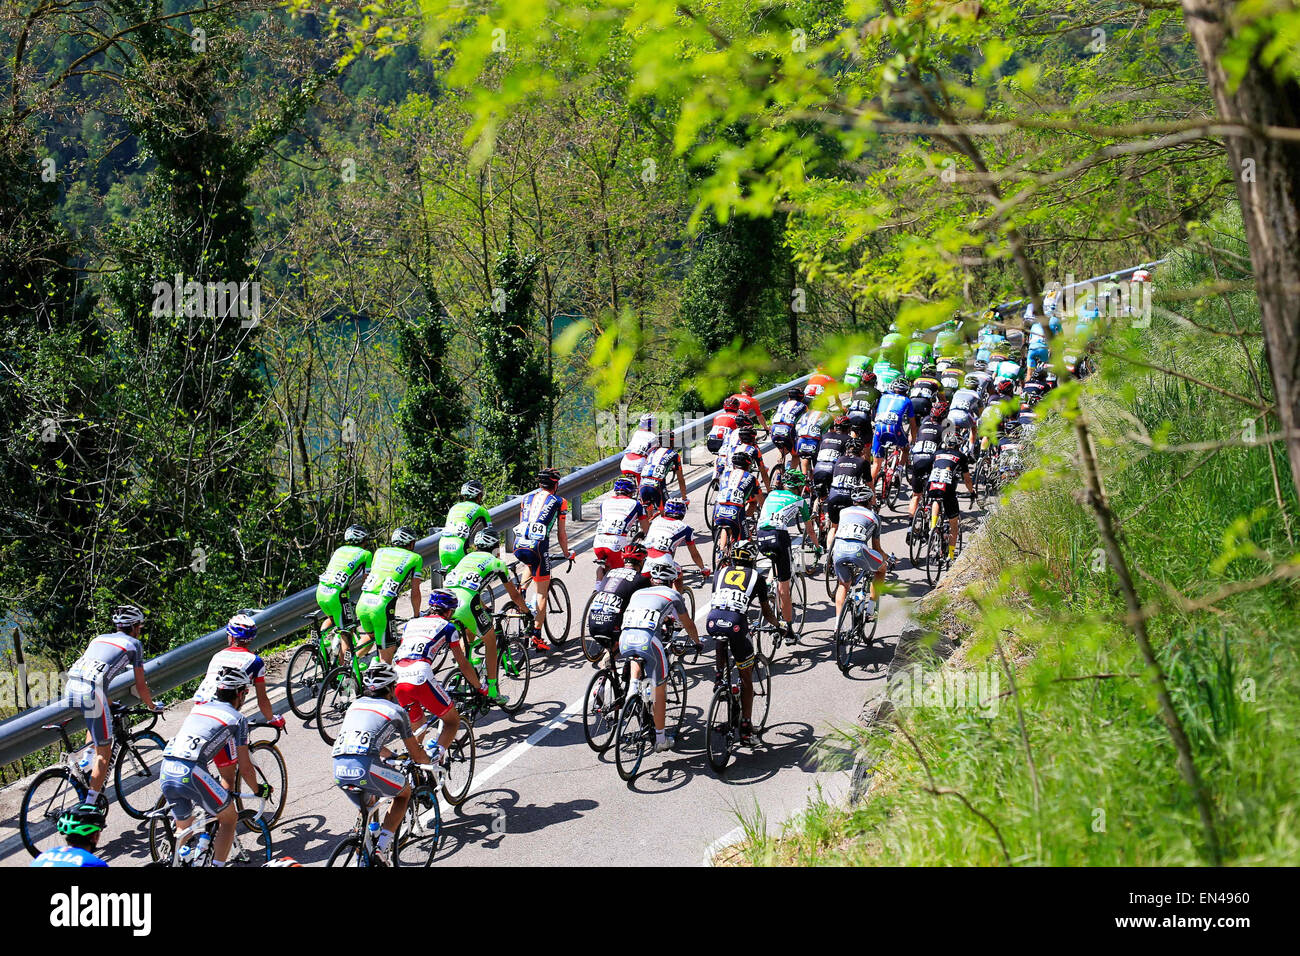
(127,616)
(841,421)
(624,485)
(472,489)
(939,410)
(951,438)
(898,386)
(487,540)
(663,570)
(675,508)
(379,676)
(981,365)
(82,821)
(893,326)
(930,371)
(970,381)
(747,388)
(794,393)
(747,434)
(854,444)
(743,419)
(869,378)
(1005,386)
(404,537)
(635,553)
(862,495)
(548,478)
(744,552)
(731,404)
(233,678)
(795,480)
(646,422)
(355,534)
(241,629)
(441,601)
(742,459)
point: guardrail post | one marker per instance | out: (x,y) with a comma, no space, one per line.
(577,499)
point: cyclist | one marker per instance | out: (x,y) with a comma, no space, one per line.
(643,441)
(645,621)
(850,471)
(833,444)
(947,343)
(728,620)
(659,464)
(371,723)
(618,514)
(205,733)
(466,585)
(1038,350)
(809,431)
(785,508)
(742,436)
(784,419)
(670,530)
(857,366)
(920,353)
(723,423)
(979,382)
(950,462)
(80,828)
(894,415)
(540,512)
(87,688)
(334,587)
(735,497)
(928,436)
(747,441)
(1007,370)
(613,591)
(417,689)
(240,631)
(924,389)
(465,519)
(390,571)
(862,404)
(818,383)
(891,348)
(749,404)
(857,549)
(964,412)
(1035,387)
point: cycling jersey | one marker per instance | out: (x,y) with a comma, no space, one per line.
(370,724)
(783,509)
(736,589)
(847,475)
(855,369)
(857,524)
(947,342)
(611,597)
(749,405)
(1007,371)
(645,619)
(724,423)
(240,658)
(67,856)
(476,570)
(812,424)
(333,586)
(464,521)
(861,406)
(919,355)
(950,379)
(893,412)
(89,679)
(737,486)
(853,553)
(659,465)
(618,515)
(818,383)
(788,412)
(423,639)
(833,444)
(665,534)
(966,400)
(922,394)
(948,466)
(538,513)
(205,732)
(642,442)
(391,569)
(885,378)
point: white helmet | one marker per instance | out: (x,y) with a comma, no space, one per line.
(664,570)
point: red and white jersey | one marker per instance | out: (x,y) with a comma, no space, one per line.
(617,516)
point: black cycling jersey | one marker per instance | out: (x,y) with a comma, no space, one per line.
(612,594)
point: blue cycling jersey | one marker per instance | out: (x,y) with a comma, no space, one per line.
(892,412)
(67,856)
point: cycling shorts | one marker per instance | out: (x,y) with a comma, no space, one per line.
(375,615)
(423,697)
(91,700)
(713,444)
(853,557)
(535,557)
(471,613)
(949,498)
(651,494)
(884,436)
(961,419)
(336,604)
(613,557)
(821,480)
(835,504)
(859,421)
(360,777)
(921,473)
(185,783)
(1037,356)
(783,436)
(646,646)
(728,516)
(774,543)
(806,447)
(732,627)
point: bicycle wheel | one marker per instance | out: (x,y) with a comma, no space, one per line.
(719,730)
(675,697)
(761,675)
(934,557)
(710,496)
(600,710)
(916,547)
(688,596)
(798,604)
(514,671)
(559,613)
(420,832)
(458,775)
(302,680)
(635,734)
(337,692)
(348,853)
(268,764)
(137,773)
(54,791)
(591,648)
(162,836)
(891,489)
(846,635)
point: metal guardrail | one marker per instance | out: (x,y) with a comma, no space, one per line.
(21,734)
(1095,280)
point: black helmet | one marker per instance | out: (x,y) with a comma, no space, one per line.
(548,478)
(744,552)
(794,393)
(742,459)
(472,489)
(82,821)
(403,537)
(356,534)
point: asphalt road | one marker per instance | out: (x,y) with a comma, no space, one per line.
(542,796)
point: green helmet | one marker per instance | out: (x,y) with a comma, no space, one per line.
(83,821)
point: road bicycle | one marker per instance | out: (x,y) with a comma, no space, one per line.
(514,660)
(603,702)
(166,845)
(855,628)
(135,760)
(919,537)
(418,835)
(559,608)
(315,659)
(636,723)
(936,548)
(340,687)
(722,553)
(891,478)
(722,729)
(798,600)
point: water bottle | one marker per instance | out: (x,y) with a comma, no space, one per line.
(372,836)
(531,600)
(84,763)
(647,691)
(197,849)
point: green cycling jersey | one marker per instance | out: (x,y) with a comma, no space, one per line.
(782,509)
(345,565)
(474,572)
(464,520)
(391,569)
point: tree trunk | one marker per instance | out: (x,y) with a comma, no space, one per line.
(1267,172)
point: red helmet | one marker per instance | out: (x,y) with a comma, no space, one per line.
(939,410)
(747,388)
(841,421)
(869,378)
(1005,386)
(634,553)
(731,404)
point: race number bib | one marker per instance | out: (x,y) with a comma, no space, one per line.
(941,478)
(352,743)
(641,619)
(730,599)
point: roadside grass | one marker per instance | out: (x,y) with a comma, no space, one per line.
(1076,767)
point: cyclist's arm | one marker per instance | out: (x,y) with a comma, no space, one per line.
(695,553)
(562,532)
(514,594)
(415,597)
(415,750)
(247,772)
(681,479)
(263,701)
(689,626)
(462,662)
(142,688)
(768,615)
